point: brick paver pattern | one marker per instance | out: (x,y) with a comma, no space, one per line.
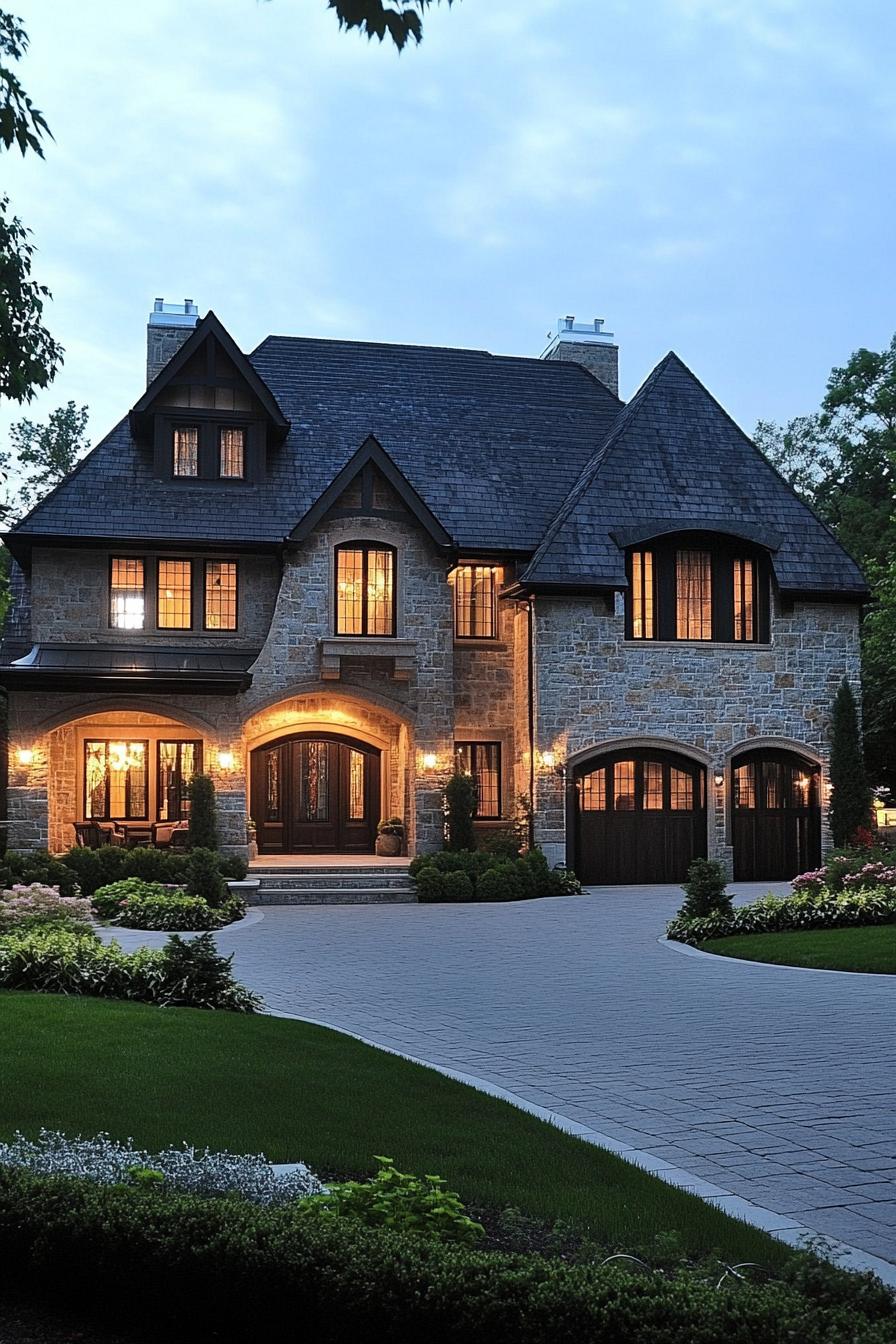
(777,1085)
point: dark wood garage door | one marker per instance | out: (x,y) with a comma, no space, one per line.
(638,817)
(775,816)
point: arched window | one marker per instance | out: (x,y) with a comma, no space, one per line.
(698,588)
(365,589)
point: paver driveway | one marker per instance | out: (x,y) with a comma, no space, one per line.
(777,1085)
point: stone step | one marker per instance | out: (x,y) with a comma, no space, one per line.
(334,896)
(343,881)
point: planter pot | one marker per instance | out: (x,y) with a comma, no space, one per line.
(388,846)
(253,850)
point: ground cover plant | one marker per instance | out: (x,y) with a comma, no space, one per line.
(870,950)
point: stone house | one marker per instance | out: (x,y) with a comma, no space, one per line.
(328,571)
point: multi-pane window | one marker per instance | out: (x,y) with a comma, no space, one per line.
(177,763)
(115,780)
(681,790)
(220,594)
(174,595)
(231,453)
(482,760)
(642,784)
(127,607)
(365,590)
(693,595)
(356,807)
(642,595)
(475,602)
(593,791)
(744,590)
(624,786)
(745,786)
(652,786)
(186,450)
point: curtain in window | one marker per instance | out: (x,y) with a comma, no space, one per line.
(232,453)
(693,595)
(186,452)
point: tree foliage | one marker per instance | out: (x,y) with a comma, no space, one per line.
(460,807)
(20,121)
(48,452)
(401,20)
(850,795)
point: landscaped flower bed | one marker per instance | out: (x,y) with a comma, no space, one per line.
(26,906)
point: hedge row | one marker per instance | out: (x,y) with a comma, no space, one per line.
(191,1268)
(90,869)
(475,875)
(805,910)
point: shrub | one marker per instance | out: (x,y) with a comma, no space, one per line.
(109,901)
(394,1199)
(850,807)
(391,826)
(193,1171)
(171,911)
(705,890)
(32,905)
(507,881)
(185,974)
(774,914)
(94,868)
(23,869)
(203,824)
(203,877)
(189,1268)
(460,804)
(232,867)
(150,864)
(431,887)
(457,887)
(517,880)
(503,842)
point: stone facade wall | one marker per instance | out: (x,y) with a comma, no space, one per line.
(485,697)
(594,687)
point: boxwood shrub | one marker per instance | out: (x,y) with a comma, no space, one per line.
(805,910)
(95,868)
(189,1268)
(464,875)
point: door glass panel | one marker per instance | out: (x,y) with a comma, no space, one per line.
(314,772)
(681,790)
(624,786)
(745,786)
(95,780)
(772,785)
(272,785)
(653,787)
(593,793)
(356,786)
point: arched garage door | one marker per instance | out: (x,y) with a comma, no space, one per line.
(775,815)
(638,817)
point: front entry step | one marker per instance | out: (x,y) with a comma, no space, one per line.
(331,885)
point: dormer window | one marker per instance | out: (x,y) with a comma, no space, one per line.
(698,593)
(365,589)
(232,454)
(186,450)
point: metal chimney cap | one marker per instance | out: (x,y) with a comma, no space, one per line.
(164,314)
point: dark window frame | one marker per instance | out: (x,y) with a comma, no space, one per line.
(129,816)
(245,430)
(196,743)
(723,552)
(183,475)
(471,745)
(177,559)
(493,603)
(365,547)
(220,629)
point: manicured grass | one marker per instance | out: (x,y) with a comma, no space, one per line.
(295,1091)
(872,949)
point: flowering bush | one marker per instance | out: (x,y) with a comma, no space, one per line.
(871,875)
(190,1170)
(810,884)
(28,906)
(807,910)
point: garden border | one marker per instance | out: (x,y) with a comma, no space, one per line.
(688,951)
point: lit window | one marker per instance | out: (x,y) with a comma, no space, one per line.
(231,453)
(745,786)
(128,600)
(624,786)
(744,589)
(652,789)
(693,593)
(681,790)
(174,597)
(475,602)
(220,594)
(115,781)
(186,452)
(642,595)
(356,807)
(178,762)
(594,791)
(482,760)
(365,590)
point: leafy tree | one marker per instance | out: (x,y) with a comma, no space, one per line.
(400,20)
(850,806)
(29,357)
(50,451)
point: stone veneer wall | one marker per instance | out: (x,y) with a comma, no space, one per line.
(593,686)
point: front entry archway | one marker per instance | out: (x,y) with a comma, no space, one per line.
(775,815)
(315,793)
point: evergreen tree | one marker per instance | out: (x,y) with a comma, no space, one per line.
(203,828)
(460,804)
(850,795)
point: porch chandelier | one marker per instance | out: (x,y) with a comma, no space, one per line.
(120,758)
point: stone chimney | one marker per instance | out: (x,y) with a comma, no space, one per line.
(589,345)
(170,324)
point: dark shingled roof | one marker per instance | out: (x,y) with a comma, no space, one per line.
(676,461)
(508,454)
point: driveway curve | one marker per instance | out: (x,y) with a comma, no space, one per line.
(776,1085)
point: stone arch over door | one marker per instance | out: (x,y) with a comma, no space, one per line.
(315,792)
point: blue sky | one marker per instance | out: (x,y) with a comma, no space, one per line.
(710,176)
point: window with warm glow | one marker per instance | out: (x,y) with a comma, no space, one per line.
(642,595)
(174,595)
(593,791)
(693,595)
(177,763)
(365,590)
(127,606)
(482,760)
(475,602)
(186,451)
(231,453)
(220,594)
(115,781)
(744,589)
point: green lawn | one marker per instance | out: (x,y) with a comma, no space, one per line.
(871,949)
(295,1091)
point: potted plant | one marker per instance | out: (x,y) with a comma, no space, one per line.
(390,837)
(251,838)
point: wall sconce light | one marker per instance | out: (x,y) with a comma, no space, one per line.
(719,778)
(225,760)
(548,760)
(429,760)
(25,756)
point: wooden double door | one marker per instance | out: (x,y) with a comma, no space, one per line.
(315,794)
(775,815)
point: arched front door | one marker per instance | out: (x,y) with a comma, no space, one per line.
(775,815)
(638,816)
(315,793)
